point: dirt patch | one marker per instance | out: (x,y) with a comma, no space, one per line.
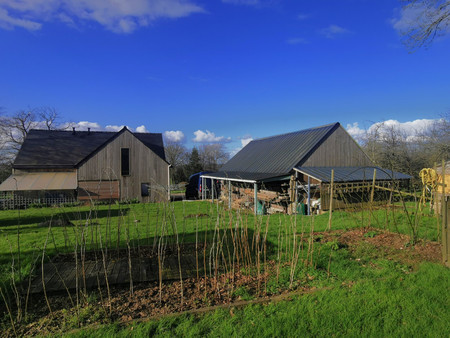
(149,300)
(392,245)
(196,216)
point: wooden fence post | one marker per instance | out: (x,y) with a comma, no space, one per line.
(331,199)
(445,231)
(371,195)
(444,212)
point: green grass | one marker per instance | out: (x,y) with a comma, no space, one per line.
(385,302)
(180,215)
(385,297)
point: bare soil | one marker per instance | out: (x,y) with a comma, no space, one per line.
(151,299)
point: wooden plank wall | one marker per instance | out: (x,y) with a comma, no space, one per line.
(339,150)
(98,190)
(145,167)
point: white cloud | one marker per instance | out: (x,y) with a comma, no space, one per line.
(141,129)
(87,124)
(355,131)
(242,2)
(411,129)
(296,41)
(418,15)
(333,31)
(245,141)
(174,135)
(408,18)
(95,126)
(8,22)
(116,16)
(114,127)
(209,137)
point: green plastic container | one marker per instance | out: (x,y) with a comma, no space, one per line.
(301,209)
(260,208)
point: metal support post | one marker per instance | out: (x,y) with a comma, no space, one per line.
(255,187)
(229,195)
(309,196)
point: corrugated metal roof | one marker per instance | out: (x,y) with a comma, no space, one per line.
(65,149)
(241,176)
(276,155)
(351,174)
(40,181)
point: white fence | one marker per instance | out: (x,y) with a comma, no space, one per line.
(12,201)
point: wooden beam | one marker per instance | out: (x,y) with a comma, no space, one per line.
(255,187)
(331,199)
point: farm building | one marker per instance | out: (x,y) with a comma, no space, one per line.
(293,172)
(57,166)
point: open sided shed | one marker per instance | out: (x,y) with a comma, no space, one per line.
(282,166)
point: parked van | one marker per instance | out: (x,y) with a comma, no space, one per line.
(194,188)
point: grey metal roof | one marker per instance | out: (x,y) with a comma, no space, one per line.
(276,155)
(65,149)
(241,176)
(351,174)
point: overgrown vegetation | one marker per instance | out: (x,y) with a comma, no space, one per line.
(238,258)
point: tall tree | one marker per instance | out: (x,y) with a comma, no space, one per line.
(195,164)
(178,156)
(213,156)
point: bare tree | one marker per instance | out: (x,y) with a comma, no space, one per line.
(178,156)
(435,141)
(176,153)
(213,156)
(391,148)
(14,128)
(423,20)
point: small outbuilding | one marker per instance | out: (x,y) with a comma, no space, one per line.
(293,172)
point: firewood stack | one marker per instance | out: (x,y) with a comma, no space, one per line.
(243,198)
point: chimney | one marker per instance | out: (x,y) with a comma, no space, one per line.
(73,130)
(89,131)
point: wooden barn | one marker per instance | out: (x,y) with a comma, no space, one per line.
(89,165)
(293,172)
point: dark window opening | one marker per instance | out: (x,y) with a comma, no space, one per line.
(125,161)
(145,189)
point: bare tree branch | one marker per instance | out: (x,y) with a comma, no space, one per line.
(423,20)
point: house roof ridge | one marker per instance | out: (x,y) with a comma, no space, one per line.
(91,131)
(297,131)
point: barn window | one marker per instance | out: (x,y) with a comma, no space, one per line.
(125,161)
(145,189)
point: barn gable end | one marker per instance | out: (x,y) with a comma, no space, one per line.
(338,150)
(145,168)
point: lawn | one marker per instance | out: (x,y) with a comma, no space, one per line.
(380,285)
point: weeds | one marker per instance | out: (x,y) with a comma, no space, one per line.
(234,253)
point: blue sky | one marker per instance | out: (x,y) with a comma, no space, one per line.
(218,70)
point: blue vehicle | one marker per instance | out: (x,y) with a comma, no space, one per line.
(194,188)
